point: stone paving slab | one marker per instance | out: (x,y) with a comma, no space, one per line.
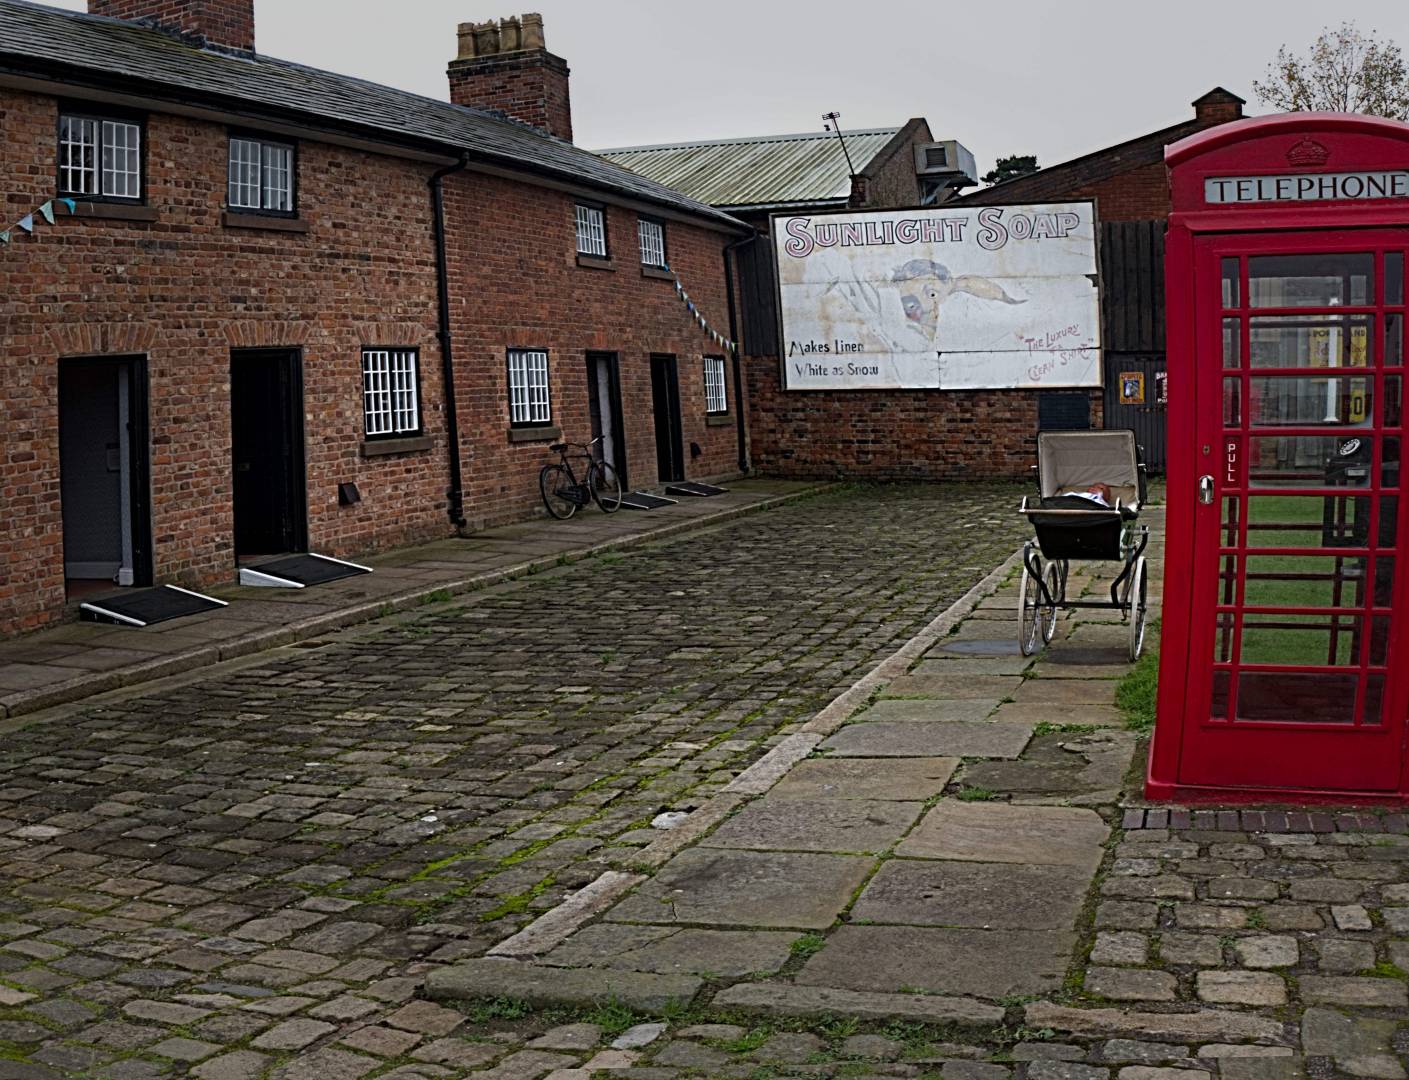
(903,779)
(791,999)
(774,889)
(913,738)
(928,710)
(496,977)
(941,663)
(968,894)
(677,950)
(1002,833)
(957,686)
(977,963)
(849,825)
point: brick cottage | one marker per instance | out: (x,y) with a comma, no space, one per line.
(287,309)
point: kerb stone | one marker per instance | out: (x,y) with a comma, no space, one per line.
(492,976)
(784,999)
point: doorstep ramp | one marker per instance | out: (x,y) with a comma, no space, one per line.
(299,571)
(644,500)
(695,489)
(143,607)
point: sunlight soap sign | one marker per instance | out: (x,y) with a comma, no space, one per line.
(963,298)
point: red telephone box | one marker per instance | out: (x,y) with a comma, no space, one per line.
(1284,672)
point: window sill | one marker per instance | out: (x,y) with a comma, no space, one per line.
(593,262)
(408,445)
(234,219)
(534,434)
(111,211)
(657,272)
(722,419)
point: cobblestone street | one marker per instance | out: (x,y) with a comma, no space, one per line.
(245,873)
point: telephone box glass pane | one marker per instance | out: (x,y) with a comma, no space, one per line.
(1292,461)
(1228,580)
(1310,341)
(1223,638)
(1308,521)
(1389,468)
(1297,697)
(1379,640)
(1394,401)
(1232,389)
(1394,277)
(1218,707)
(1232,343)
(1230,283)
(1394,339)
(1280,399)
(1374,700)
(1389,520)
(1305,581)
(1383,594)
(1322,279)
(1301,640)
(1231,507)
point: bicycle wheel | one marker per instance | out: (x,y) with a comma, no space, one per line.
(1055,589)
(1138,608)
(606,487)
(556,486)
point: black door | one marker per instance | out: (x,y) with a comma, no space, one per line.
(266,421)
(1135,398)
(104,478)
(665,397)
(604,397)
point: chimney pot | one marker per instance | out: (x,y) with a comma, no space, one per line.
(505,67)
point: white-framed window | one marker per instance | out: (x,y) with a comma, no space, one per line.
(652,235)
(99,157)
(716,399)
(391,402)
(261,175)
(528,388)
(591,230)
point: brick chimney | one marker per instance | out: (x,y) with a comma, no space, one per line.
(1218,106)
(504,66)
(225,24)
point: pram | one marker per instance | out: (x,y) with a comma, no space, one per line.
(1071,525)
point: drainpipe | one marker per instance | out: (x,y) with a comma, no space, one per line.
(739,421)
(456,507)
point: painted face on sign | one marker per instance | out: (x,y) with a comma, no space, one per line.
(931,285)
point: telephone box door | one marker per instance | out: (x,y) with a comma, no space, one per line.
(1298,602)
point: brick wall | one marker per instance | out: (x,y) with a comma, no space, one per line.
(185,290)
(891,435)
(519,285)
(220,22)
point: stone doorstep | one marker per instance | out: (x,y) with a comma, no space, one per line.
(787,999)
(62,692)
(538,984)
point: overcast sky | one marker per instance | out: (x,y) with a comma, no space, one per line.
(1022,76)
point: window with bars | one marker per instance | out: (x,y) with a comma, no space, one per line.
(100,158)
(528,388)
(591,230)
(652,236)
(716,399)
(391,400)
(261,176)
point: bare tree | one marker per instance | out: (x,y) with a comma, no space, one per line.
(1344,71)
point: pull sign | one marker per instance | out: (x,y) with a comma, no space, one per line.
(1230,475)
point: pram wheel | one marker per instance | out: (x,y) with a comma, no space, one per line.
(1136,607)
(1037,615)
(1056,578)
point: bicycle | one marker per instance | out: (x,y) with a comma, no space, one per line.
(563,493)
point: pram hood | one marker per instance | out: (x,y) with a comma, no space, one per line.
(1073,461)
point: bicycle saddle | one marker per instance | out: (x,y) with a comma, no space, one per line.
(558,447)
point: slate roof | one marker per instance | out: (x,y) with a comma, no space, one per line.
(761,172)
(94,51)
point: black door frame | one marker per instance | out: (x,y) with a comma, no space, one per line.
(139,454)
(615,411)
(291,360)
(665,401)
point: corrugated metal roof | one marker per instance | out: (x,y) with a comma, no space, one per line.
(757,172)
(85,48)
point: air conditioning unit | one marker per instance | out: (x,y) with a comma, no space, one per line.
(948,160)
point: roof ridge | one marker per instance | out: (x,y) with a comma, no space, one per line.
(739,140)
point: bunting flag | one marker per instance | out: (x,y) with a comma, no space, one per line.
(45,210)
(714,335)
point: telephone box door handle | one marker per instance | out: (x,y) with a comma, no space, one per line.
(1205,489)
